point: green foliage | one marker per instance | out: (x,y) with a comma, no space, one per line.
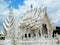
(2,38)
(0,34)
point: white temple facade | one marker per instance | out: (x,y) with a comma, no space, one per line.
(36,23)
(35,28)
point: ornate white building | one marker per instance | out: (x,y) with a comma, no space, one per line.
(35,28)
(36,23)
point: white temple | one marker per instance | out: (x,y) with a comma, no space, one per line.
(36,23)
(35,28)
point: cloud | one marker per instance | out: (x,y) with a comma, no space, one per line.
(3,7)
(54,11)
(3,12)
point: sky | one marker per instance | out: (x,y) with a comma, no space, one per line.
(21,6)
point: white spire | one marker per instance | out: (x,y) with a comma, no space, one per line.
(10,4)
(8,25)
(11,11)
(31,7)
(44,3)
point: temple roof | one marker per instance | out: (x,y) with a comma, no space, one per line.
(32,18)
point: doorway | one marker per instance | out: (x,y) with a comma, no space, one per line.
(44,29)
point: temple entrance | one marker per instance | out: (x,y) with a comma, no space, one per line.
(44,29)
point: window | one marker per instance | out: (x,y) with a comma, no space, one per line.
(29,35)
(25,35)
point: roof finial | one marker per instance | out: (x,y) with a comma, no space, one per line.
(44,6)
(31,7)
(11,11)
(44,3)
(10,4)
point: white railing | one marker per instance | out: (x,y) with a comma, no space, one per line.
(42,41)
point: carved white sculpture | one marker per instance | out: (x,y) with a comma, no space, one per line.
(8,25)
